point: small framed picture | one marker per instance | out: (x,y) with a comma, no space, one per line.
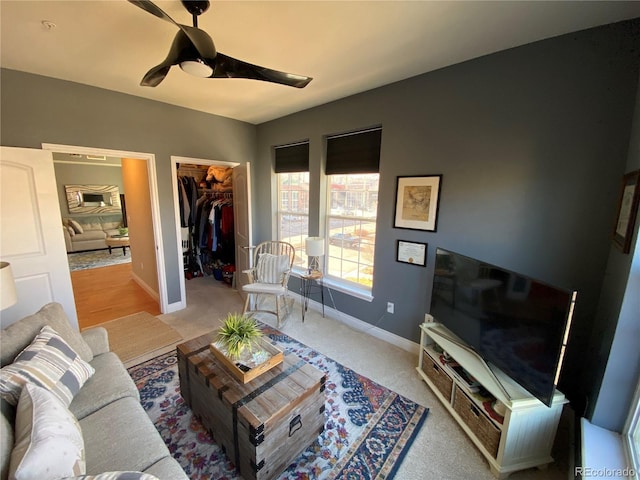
(417,202)
(627,209)
(414,253)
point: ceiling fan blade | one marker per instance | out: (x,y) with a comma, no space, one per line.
(180,44)
(229,67)
(154,76)
(153,9)
(199,38)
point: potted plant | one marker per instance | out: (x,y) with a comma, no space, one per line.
(238,334)
(239,346)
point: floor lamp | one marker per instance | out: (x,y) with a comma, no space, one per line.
(314,247)
(8,296)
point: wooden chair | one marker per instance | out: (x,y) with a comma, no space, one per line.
(272,262)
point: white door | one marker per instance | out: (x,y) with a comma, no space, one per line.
(242,221)
(31,237)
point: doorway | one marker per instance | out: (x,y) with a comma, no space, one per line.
(183,237)
(139,173)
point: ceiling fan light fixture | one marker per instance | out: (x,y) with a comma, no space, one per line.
(196,68)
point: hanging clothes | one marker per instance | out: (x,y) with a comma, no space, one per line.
(213,232)
(187,198)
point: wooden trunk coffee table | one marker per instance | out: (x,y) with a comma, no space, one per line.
(262,425)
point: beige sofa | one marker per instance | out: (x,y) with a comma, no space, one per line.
(118,434)
(89,233)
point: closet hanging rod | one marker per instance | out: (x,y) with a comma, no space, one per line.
(210,192)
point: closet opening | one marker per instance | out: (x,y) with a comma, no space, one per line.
(205,197)
(207,209)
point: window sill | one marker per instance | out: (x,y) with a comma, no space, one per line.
(602,453)
(340,287)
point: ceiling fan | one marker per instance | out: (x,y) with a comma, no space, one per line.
(194,51)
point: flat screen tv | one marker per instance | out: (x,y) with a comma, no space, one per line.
(514,322)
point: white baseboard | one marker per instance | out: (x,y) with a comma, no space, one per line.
(362,326)
(145,287)
(174,307)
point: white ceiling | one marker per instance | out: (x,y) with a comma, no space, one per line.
(347,46)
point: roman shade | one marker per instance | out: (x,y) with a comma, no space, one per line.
(292,158)
(357,152)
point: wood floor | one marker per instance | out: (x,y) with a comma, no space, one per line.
(107,293)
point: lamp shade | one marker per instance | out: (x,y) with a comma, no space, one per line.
(8,296)
(314,246)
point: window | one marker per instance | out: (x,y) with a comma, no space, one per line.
(292,172)
(351,227)
(631,435)
(352,174)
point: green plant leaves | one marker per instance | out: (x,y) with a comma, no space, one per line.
(238,333)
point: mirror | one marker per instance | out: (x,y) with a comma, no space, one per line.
(93,198)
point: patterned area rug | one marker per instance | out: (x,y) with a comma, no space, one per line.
(368,428)
(97,258)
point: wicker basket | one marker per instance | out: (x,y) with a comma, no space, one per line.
(481,426)
(441,380)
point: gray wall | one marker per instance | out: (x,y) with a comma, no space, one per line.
(38,110)
(531,142)
(615,363)
(76,173)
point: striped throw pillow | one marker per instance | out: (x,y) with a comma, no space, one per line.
(271,268)
(48,362)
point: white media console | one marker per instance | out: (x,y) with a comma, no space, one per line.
(520,436)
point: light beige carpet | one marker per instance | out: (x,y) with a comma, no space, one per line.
(139,334)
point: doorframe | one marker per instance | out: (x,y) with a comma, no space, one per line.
(150,158)
(175,160)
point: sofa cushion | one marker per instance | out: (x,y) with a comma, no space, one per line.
(17,336)
(116,476)
(168,467)
(48,362)
(106,226)
(71,231)
(110,383)
(120,436)
(49,441)
(76,226)
(97,338)
(90,235)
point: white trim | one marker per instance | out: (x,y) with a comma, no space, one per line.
(88,163)
(175,160)
(176,306)
(348,289)
(630,427)
(155,202)
(142,284)
(357,324)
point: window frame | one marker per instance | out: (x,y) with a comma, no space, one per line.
(631,430)
(292,160)
(344,285)
(300,261)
